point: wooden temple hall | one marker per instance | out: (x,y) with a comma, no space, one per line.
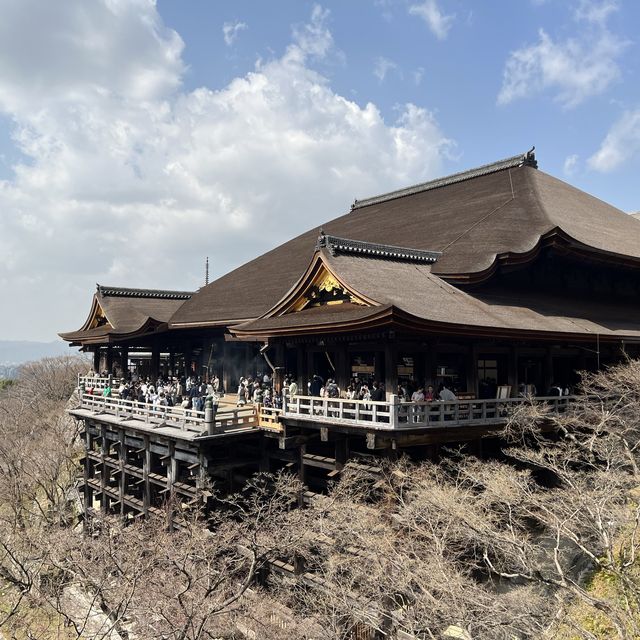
(497,282)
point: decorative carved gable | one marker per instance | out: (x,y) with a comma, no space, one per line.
(99,319)
(324,289)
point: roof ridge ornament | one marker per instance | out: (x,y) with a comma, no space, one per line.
(128,292)
(527,159)
(336,245)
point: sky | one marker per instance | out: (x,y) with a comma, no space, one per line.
(139,137)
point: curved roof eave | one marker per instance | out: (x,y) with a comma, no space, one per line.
(557,237)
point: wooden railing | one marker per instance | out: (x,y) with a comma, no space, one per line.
(98,382)
(327,410)
(387,415)
(394,414)
(269,418)
(174,417)
(411,415)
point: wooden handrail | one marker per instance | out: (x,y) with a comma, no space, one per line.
(393,414)
(98,382)
(387,415)
(173,417)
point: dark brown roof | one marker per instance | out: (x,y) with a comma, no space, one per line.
(413,293)
(128,312)
(473,219)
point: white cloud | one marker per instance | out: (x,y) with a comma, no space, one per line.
(621,143)
(382,68)
(571,164)
(418,75)
(574,69)
(129,179)
(314,37)
(595,11)
(438,22)
(230,31)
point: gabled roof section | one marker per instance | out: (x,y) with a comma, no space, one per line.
(411,296)
(122,313)
(318,286)
(527,159)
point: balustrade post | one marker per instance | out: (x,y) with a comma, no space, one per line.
(82,391)
(209,421)
(394,410)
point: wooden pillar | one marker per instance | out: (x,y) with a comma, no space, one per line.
(122,459)
(342,452)
(155,361)
(172,472)
(172,362)
(301,369)
(225,372)
(88,467)
(473,368)
(247,360)
(301,471)
(512,370)
(379,366)
(146,485)
(109,364)
(342,367)
(124,361)
(391,368)
(186,356)
(203,472)
(265,463)
(96,359)
(104,451)
(548,371)
(419,368)
(430,364)
(310,372)
(279,364)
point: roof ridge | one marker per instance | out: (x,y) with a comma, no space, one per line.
(359,247)
(527,159)
(129,292)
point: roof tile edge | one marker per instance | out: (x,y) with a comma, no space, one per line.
(527,159)
(337,245)
(128,292)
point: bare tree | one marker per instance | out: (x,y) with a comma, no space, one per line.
(483,549)
(38,463)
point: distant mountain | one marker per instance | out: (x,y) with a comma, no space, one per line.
(15,353)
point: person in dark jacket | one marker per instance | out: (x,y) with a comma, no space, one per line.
(378,395)
(316,385)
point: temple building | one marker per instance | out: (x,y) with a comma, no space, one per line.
(497,282)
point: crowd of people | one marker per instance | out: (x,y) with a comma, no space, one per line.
(189,393)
